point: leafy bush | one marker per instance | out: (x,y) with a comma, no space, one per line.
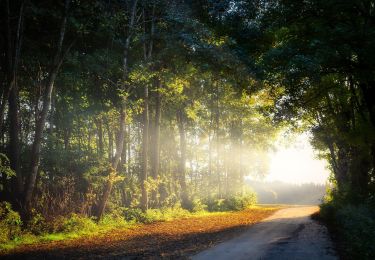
(75,223)
(241,202)
(216,205)
(165,214)
(232,203)
(114,219)
(37,224)
(134,215)
(357,226)
(354,226)
(5,166)
(10,223)
(175,212)
(198,206)
(153,215)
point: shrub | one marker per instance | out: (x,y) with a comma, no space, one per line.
(134,215)
(75,223)
(216,205)
(354,226)
(198,206)
(154,215)
(10,223)
(37,224)
(165,214)
(115,218)
(232,203)
(357,226)
(175,212)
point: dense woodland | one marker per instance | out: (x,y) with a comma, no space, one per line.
(145,104)
(124,103)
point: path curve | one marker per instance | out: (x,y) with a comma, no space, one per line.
(290,233)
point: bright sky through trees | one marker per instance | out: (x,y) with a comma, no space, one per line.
(297,163)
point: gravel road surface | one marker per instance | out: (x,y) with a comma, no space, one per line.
(290,233)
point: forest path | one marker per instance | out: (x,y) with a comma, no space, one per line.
(289,233)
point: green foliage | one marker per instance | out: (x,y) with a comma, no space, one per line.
(232,203)
(155,215)
(77,223)
(37,224)
(241,202)
(216,205)
(198,206)
(354,226)
(165,214)
(10,223)
(5,167)
(134,215)
(114,219)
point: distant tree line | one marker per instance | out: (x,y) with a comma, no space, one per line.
(278,192)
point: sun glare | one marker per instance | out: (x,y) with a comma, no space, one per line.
(297,163)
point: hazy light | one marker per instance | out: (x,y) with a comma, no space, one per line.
(297,163)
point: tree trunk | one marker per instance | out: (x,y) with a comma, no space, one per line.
(368,91)
(66,138)
(156,143)
(121,137)
(14,142)
(240,155)
(144,174)
(210,155)
(182,164)
(124,154)
(129,149)
(110,143)
(35,152)
(100,137)
(147,53)
(217,129)
(115,162)
(13,53)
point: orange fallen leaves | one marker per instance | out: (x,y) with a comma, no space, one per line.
(177,238)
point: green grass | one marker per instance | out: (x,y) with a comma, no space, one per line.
(82,230)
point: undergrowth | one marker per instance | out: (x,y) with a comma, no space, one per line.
(13,232)
(353,226)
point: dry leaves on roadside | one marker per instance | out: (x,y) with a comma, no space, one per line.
(177,238)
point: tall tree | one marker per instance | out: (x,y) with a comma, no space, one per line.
(40,124)
(156,140)
(182,164)
(122,130)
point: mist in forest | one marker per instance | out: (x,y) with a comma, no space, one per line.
(277,192)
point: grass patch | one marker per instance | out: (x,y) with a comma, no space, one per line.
(72,227)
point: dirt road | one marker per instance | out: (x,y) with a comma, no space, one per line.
(288,234)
